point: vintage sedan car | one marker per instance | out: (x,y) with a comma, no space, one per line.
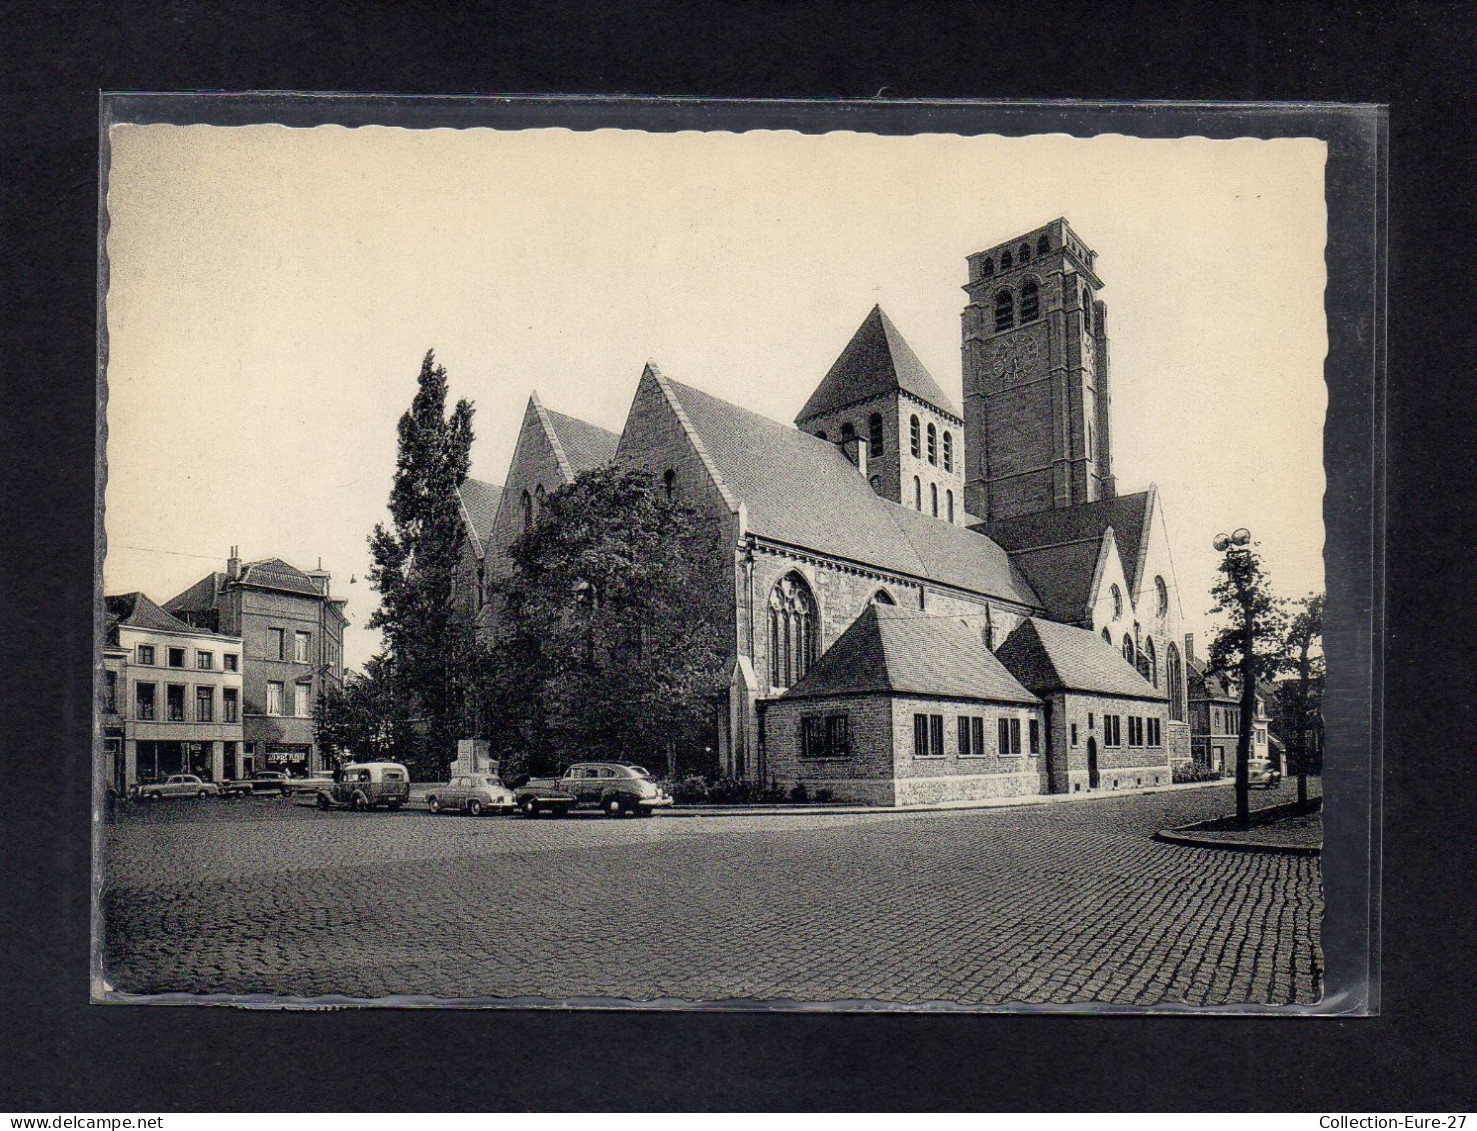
(472,794)
(616,788)
(366,785)
(264,781)
(177,785)
(1261,772)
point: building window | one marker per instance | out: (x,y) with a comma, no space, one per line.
(971,736)
(917,494)
(964,750)
(301,642)
(874,435)
(1128,649)
(1175,677)
(274,697)
(933,496)
(1043,245)
(948,451)
(987,268)
(1074,734)
(920,736)
(936,736)
(977,733)
(146,654)
(205,660)
(230,705)
(276,644)
(1006,262)
(1117,595)
(1107,638)
(1151,661)
(792,631)
(848,432)
(1112,730)
(1156,737)
(669,481)
(143,694)
(1009,734)
(110,692)
(1030,301)
(883,597)
(1161,591)
(205,704)
(301,707)
(527,502)
(915,443)
(174,702)
(950,496)
(176,657)
(838,736)
(933,445)
(1004,311)
(1023,253)
(1135,730)
(1035,735)
(230,661)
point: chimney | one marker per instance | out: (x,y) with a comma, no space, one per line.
(1189,647)
(854,448)
(233,564)
(320,578)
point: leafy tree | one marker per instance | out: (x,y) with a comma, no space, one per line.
(1248,646)
(1299,704)
(369,718)
(610,644)
(430,647)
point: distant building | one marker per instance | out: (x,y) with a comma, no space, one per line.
(171,695)
(292,633)
(1215,719)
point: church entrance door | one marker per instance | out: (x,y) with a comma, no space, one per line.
(1092,774)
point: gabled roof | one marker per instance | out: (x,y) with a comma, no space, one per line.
(875,362)
(479,507)
(583,445)
(198,598)
(1046,657)
(274,573)
(1062,576)
(802,491)
(1128,515)
(894,651)
(136,610)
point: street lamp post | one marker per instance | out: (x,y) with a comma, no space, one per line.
(1229,544)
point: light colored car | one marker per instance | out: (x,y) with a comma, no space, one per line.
(473,794)
(1260,772)
(177,785)
(366,785)
(617,788)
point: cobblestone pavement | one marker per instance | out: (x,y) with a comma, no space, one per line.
(1055,903)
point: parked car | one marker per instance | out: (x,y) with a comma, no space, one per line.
(473,794)
(366,785)
(1260,771)
(264,781)
(615,787)
(177,785)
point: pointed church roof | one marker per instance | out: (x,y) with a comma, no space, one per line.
(894,651)
(1046,657)
(875,362)
(1026,537)
(802,491)
(581,444)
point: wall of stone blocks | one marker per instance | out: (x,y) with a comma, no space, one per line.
(865,778)
(955,777)
(1119,767)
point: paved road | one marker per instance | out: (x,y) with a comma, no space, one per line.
(1055,903)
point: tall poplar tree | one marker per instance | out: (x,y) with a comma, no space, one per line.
(429,646)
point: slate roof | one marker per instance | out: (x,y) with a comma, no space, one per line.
(274,573)
(479,503)
(585,445)
(198,598)
(137,610)
(1086,522)
(876,361)
(1046,656)
(802,491)
(1061,576)
(897,651)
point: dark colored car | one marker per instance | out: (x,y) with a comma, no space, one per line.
(366,785)
(265,781)
(614,787)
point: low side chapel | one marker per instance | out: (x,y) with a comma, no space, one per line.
(995,519)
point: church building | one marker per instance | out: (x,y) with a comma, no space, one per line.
(922,602)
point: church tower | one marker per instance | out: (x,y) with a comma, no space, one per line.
(1036,405)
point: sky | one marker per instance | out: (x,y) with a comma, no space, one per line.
(271,292)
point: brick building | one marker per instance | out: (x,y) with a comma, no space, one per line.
(292,632)
(885,493)
(1215,719)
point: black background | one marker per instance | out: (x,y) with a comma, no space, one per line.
(59,1054)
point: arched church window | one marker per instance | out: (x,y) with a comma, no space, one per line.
(987,268)
(950,495)
(1004,311)
(1128,648)
(527,511)
(1107,638)
(538,502)
(1117,595)
(1030,301)
(1175,676)
(1024,254)
(948,451)
(883,597)
(1006,262)
(933,495)
(917,494)
(669,481)
(933,444)
(1161,591)
(874,435)
(792,630)
(1151,661)
(1043,245)
(915,437)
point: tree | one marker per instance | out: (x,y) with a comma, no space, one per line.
(429,646)
(610,643)
(368,718)
(1300,699)
(1248,647)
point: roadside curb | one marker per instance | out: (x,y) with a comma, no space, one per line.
(1200,834)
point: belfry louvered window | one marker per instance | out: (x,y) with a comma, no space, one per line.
(948,451)
(933,444)
(1004,311)
(874,435)
(792,631)
(1030,301)
(915,440)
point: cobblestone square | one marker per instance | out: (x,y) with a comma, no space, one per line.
(1060,903)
